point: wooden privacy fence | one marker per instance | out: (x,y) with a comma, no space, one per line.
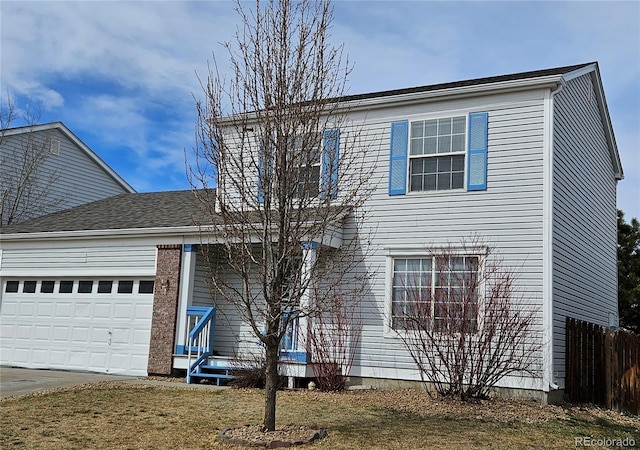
(603,366)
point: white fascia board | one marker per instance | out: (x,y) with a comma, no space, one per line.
(579,72)
(550,81)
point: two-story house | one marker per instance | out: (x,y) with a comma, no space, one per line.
(46,168)
(527,162)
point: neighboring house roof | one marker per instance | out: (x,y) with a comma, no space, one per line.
(77,141)
(120,212)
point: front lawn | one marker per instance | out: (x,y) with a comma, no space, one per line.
(131,416)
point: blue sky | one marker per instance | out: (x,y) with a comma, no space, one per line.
(121,75)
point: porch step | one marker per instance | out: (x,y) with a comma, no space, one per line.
(217,373)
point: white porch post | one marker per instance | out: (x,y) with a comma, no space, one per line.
(187,276)
(309,257)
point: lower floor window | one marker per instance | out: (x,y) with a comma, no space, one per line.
(438,292)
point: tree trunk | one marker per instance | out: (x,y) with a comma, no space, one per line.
(271,385)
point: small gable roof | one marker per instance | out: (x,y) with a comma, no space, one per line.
(77,141)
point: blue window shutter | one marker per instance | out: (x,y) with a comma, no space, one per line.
(398,158)
(263,153)
(477,152)
(260,192)
(330,155)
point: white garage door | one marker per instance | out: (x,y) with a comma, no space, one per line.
(91,325)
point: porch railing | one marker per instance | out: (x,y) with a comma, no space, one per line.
(199,337)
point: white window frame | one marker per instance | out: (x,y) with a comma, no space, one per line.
(393,254)
(317,163)
(435,156)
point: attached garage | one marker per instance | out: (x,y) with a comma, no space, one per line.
(97,325)
(96,287)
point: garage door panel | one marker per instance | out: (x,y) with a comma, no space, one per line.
(80,335)
(122,312)
(60,333)
(41,333)
(98,360)
(82,310)
(100,334)
(9,308)
(58,358)
(143,311)
(25,308)
(45,309)
(40,355)
(102,311)
(23,332)
(63,310)
(21,355)
(141,337)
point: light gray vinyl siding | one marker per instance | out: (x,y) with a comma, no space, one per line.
(508,216)
(67,259)
(584,216)
(69,179)
(232,335)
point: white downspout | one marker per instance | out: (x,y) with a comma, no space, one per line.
(548,381)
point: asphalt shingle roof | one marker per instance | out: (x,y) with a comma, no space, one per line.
(471,82)
(124,211)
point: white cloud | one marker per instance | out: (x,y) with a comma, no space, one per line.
(124,72)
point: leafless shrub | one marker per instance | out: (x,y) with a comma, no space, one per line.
(333,340)
(463,321)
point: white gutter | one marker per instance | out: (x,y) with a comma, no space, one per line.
(83,234)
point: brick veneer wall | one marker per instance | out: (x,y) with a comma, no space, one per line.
(165,309)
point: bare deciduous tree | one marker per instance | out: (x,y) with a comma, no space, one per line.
(275,141)
(460,316)
(25,184)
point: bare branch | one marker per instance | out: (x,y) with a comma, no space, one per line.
(275,142)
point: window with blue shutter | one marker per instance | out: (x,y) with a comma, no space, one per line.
(263,153)
(398,158)
(477,153)
(330,155)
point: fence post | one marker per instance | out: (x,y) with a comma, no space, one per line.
(608,363)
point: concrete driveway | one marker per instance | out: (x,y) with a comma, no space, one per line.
(16,381)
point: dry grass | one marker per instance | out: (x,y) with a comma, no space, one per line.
(131,416)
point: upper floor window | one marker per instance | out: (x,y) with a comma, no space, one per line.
(312,166)
(306,153)
(437,154)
